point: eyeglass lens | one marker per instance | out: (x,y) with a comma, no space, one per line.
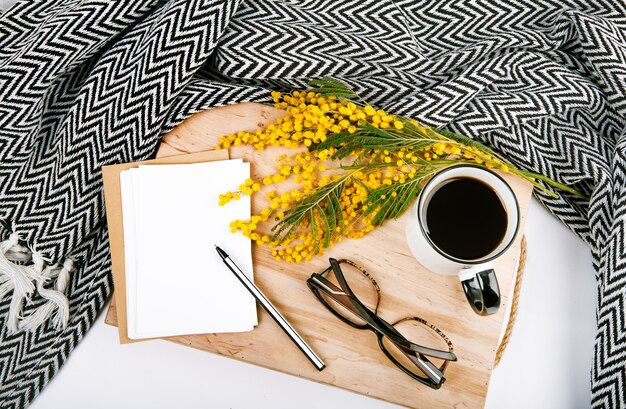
(361,283)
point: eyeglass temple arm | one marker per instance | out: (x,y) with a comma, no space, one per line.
(339,296)
(350,302)
(382,325)
(399,339)
(429,369)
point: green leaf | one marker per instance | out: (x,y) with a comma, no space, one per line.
(332,140)
(323,203)
(329,86)
(392,207)
(314,230)
(363,185)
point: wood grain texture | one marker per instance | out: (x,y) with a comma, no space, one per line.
(353,359)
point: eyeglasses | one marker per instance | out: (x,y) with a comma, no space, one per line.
(337,288)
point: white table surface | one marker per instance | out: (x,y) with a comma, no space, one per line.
(547,363)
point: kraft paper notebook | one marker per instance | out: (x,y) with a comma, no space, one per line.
(164,283)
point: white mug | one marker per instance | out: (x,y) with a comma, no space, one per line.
(477,276)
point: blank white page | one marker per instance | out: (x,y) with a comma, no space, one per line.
(181,284)
(128,219)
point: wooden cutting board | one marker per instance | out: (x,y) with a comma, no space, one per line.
(353,359)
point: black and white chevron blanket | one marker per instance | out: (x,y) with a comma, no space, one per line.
(87,83)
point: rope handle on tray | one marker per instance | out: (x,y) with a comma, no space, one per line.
(518,283)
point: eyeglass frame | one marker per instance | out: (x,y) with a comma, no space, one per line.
(345,297)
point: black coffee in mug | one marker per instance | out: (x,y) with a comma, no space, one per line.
(465,218)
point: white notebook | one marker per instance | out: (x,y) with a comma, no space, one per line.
(176,284)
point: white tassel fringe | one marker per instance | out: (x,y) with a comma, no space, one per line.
(23,277)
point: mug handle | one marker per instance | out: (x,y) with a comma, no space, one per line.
(481,288)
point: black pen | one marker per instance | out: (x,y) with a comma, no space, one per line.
(271,310)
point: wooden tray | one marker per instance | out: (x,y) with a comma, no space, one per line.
(353,359)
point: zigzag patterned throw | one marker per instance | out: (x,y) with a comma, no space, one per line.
(88,83)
